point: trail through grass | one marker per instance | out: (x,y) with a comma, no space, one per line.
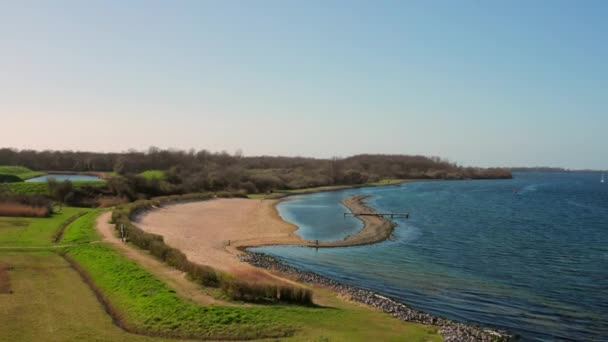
(51,303)
(21,231)
(80,230)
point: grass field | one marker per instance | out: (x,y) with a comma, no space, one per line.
(80,230)
(51,302)
(19,171)
(153,174)
(21,231)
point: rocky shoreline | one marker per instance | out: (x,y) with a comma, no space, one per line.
(450,330)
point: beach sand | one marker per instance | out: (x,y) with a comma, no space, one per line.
(214,232)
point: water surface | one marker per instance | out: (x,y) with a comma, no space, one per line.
(529,255)
(64,177)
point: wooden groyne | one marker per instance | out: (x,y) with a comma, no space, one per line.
(384,215)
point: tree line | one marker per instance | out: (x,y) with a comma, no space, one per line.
(201,171)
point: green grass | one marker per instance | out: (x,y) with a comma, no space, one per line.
(41,188)
(153,174)
(80,230)
(148,304)
(20,171)
(51,303)
(39,231)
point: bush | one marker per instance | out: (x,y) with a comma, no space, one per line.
(9,179)
(22,210)
(204,275)
(22,205)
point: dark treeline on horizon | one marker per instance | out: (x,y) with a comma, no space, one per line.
(194,171)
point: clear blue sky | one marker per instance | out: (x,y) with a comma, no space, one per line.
(479,82)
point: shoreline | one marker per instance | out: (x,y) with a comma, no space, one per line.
(375,229)
(451,331)
(255,223)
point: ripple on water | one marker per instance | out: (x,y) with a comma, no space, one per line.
(533,263)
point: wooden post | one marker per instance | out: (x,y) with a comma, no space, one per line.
(122,232)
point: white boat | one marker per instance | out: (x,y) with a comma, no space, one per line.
(602,181)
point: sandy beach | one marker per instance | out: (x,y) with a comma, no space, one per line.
(214,232)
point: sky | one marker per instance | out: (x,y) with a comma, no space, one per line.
(484,83)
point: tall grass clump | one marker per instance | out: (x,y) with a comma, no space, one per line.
(202,274)
(22,210)
(24,206)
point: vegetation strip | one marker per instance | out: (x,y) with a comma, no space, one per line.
(5,283)
(86,278)
(140,303)
(59,233)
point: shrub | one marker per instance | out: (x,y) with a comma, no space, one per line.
(110,201)
(9,179)
(22,210)
(204,275)
(22,205)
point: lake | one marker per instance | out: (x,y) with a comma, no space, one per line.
(64,177)
(529,255)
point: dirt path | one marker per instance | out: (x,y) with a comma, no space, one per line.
(174,278)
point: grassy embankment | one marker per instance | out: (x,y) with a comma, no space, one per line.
(22,172)
(50,301)
(33,188)
(40,231)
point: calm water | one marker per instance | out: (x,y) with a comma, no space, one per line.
(61,178)
(533,262)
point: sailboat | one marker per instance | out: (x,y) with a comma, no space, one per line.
(602,180)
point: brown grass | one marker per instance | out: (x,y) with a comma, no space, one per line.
(110,201)
(5,284)
(22,210)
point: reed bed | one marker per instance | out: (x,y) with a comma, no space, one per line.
(23,210)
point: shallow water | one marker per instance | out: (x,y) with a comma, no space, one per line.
(534,262)
(62,177)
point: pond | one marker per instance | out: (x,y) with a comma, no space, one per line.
(63,177)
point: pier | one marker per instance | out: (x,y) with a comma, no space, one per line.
(391,215)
